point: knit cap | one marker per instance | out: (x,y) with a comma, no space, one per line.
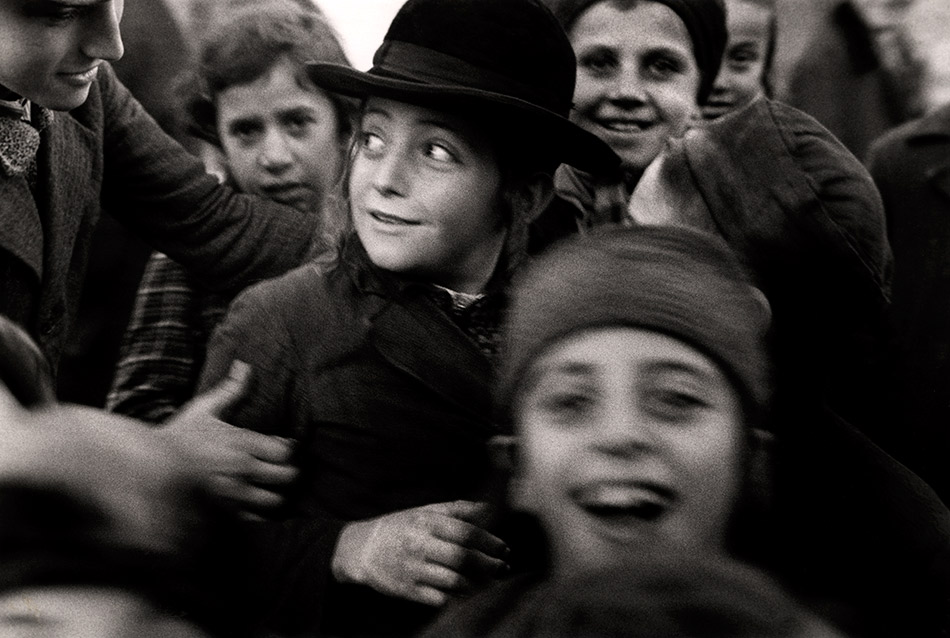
(673,280)
(705,21)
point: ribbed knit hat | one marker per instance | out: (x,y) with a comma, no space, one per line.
(705,21)
(674,280)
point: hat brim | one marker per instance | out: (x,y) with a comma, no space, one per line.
(568,142)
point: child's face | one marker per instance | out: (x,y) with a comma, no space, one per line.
(741,77)
(637,78)
(424,190)
(629,439)
(87,612)
(50,49)
(280,140)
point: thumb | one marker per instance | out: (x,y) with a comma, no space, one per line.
(228,391)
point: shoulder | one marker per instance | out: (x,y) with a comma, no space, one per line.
(891,150)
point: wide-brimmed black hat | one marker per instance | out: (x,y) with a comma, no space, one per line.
(508,57)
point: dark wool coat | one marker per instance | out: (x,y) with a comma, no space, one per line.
(911,166)
(390,404)
(109,153)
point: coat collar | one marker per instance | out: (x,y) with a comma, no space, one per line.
(412,334)
(41,230)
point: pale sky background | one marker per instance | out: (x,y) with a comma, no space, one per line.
(361,25)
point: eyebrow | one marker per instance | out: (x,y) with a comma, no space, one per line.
(664,365)
(68,4)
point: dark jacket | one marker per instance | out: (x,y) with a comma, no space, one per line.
(911,166)
(109,153)
(842,81)
(389,402)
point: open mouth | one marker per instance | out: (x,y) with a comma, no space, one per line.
(391,220)
(625,503)
(625,125)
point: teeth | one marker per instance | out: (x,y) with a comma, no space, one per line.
(619,497)
(623,127)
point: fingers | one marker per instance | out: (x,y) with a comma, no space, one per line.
(266,447)
(244,495)
(471,537)
(226,393)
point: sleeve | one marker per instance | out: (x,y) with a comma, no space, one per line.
(226,239)
(296,548)
(158,362)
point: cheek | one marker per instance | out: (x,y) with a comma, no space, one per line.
(242,165)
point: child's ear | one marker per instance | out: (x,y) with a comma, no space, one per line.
(531,197)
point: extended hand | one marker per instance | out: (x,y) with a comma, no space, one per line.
(240,465)
(425,554)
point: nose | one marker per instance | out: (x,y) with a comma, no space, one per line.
(103,40)
(275,154)
(624,431)
(627,85)
(390,176)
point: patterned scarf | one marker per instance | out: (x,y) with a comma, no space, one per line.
(20,136)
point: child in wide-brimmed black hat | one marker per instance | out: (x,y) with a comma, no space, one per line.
(379,363)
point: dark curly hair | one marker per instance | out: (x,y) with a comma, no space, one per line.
(248,43)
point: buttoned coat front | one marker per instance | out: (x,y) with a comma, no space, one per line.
(109,154)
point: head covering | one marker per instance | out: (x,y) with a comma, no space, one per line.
(672,280)
(508,58)
(659,594)
(705,21)
(787,195)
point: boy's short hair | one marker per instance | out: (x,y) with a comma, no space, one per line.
(243,47)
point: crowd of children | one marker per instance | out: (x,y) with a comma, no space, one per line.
(551,323)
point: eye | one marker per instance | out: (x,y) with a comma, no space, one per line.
(58,16)
(662,66)
(743,57)
(567,407)
(246,132)
(598,62)
(371,144)
(674,404)
(297,124)
(440,153)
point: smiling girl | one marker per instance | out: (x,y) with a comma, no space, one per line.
(379,364)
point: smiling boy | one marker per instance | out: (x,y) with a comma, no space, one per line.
(74,141)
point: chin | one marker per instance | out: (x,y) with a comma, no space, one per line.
(63,101)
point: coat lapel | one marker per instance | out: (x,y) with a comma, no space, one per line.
(415,338)
(67,166)
(21,231)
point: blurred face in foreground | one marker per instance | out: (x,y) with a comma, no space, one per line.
(425,195)
(87,612)
(629,440)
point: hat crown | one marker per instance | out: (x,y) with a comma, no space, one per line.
(512,47)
